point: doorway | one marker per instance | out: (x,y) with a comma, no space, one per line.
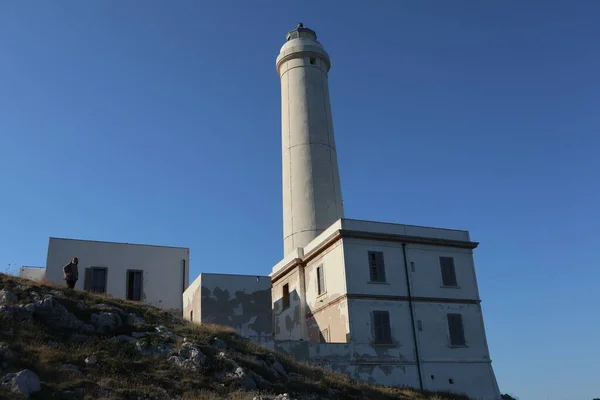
(134,285)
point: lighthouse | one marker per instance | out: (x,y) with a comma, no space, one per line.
(312,195)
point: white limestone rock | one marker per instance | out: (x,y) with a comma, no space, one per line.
(24,382)
(7,297)
(106,322)
(91,360)
(55,314)
(190,357)
(133,319)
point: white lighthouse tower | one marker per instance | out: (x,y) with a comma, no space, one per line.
(312,198)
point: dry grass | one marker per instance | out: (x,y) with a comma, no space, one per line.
(128,375)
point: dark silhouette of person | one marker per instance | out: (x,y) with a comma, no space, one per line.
(71,273)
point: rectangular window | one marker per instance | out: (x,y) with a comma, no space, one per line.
(285,301)
(420,325)
(376,266)
(448,272)
(320,280)
(455,327)
(134,285)
(382,331)
(192,315)
(95,279)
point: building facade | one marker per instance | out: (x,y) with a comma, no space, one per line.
(403,300)
(242,302)
(155,275)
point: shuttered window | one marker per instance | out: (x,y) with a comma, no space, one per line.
(95,279)
(376,266)
(320,280)
(382,331)
(448,271)
(455,327)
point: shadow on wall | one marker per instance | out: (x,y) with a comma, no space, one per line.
(288,320)
(287,316)
(248,313)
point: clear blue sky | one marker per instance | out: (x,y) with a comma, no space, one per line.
(159,122)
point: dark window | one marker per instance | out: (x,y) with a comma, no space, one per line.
(455,327)
(448,272)
(192,315)
(313,60)
(320,280)
(382,331)
(451,381)
(286,296)
(376,266)
(419,325)
(95,279)
(134,285)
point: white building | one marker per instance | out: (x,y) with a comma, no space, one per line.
(386,303)
(404,297)
(242,302)
(156,275)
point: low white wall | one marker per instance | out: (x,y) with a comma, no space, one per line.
(33,273)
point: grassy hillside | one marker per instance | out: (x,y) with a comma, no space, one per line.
(84,346)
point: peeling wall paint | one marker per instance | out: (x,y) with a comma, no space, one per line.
(241,302)
(288,321)
(363,363)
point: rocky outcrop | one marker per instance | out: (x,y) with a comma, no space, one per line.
(189,357)
(7,297)
(106,322)
(25,382)
(54,314)
(153,349)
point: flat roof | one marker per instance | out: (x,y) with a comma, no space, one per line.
(130,244)
(223,274)
(401,224)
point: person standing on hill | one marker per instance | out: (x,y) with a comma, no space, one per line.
(71,273)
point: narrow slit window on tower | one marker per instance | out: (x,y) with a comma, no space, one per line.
(313,60)
(285,300)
